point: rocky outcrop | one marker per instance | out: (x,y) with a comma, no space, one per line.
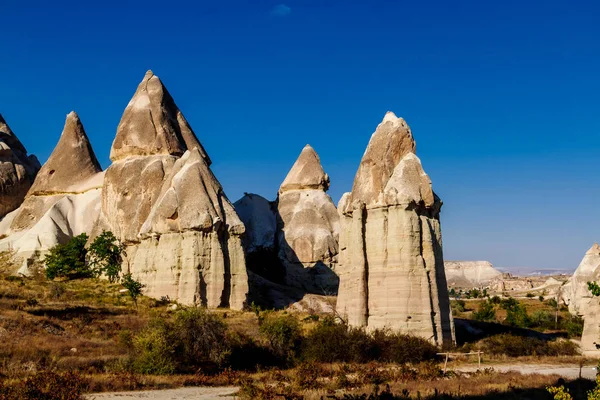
(17,170)
(308,227)
(470,274)
(391,265)
(160,198)
(258,217)
(575,292)
(64,200)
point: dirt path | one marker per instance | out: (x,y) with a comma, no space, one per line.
(196,393)
(217,393)
(566,371)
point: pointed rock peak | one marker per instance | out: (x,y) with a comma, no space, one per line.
(152,124)
(390,142)
(8,137)
(306,173)
(594,250)
(71,164)
(409,184)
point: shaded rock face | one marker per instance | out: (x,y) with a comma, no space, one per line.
(391,265)
(575,292)
(17,170)
(308,227)
(64,200)
(470,274)
(160,198)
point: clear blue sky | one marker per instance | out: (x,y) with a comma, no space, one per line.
(503,98)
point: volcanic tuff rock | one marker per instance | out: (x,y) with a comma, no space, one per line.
(64,200)
(160,198)
(470,274)
(391,265)
(575,292)
(17,170)
(308,226)
(258,217)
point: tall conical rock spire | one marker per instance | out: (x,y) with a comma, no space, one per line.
(391,264)
(308,226)
(390,142)
(71,164)
(152,124)
(17,170)
(306,173)
(161,199)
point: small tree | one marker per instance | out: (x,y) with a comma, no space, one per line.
(104,256)
(68,260)
(134,288)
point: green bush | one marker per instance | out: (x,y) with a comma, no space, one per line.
(154,350)
(399,348)
(201,337)
(104,255)
(283,333)
(543,320)
(457,306)
(68,260)
(486,312)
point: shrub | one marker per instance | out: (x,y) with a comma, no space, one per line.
(573,324)
(530,295)
(200,337)
(154,350)
(458,306)
(283,333)
(542,319)
(516,315)
(514,346)
(45,385)
(134,288)
(105,256)
(399,348)
(68,260)
(486,312)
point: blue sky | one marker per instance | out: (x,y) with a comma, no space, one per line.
(503,98)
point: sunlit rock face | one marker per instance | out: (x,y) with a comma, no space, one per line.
(17,170)
(160,198)
(470,274)
(308,227)
(63,202)
(575,292)
(391,264)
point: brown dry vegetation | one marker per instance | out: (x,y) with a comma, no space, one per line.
(80,326)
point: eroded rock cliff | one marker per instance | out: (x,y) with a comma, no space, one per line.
(391,265)
(160,198)
(17,170)
(64,200)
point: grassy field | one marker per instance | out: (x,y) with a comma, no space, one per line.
(86,326)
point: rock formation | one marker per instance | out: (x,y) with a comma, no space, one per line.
(64,200)
(258,217)
(308,227)
(575,292)
(391,265)
(470,274)
(17,170)
(160,198)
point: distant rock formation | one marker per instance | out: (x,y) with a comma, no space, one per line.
(575,292)
(470,274)
(160,198)
(308,227)
(258,216)
(17,170)
(64,200)
(391,264)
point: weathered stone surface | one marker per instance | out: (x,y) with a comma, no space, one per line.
(160,198)
(575,292)
(391,263)
(64,200)
(17,170)
(470,274)
(258,217)
(308,227)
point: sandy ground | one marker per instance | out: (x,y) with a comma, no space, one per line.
(216,393)
(197,393)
